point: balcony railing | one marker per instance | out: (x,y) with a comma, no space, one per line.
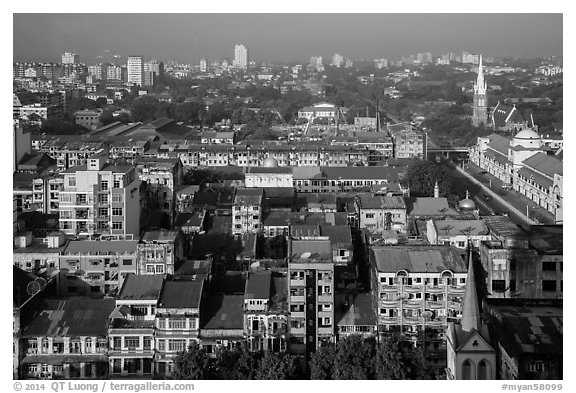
(389,288)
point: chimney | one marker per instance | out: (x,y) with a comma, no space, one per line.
(436,190)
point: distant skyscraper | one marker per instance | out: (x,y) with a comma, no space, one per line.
(70,58)
(114,72)
(135,70)
(241,56)
(203,65)
(157,67)
(337,60)
(381,63)
(316,63)
(480,105)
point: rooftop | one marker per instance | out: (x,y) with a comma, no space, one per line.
(159,236)
(418,259)
(381,202)
(248,196)
(461,227)
(100,246)
(181,294)
(311,250)
(258,285)
(138,287)
(223,312)
(355,310)
(76,316)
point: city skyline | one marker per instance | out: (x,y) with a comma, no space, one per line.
(273,37)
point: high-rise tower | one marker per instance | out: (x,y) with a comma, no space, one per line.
(241,56)
(480,106)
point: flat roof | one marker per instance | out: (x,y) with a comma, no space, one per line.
(100,246)
(418,259)
(160,236)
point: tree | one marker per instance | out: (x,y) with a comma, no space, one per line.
(276,366)
(422,176)
(144,109)
(354,358)
(192,364)
(322,362)
(389,360)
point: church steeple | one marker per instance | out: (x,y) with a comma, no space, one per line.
(480,105)
(470,310)
(480,86)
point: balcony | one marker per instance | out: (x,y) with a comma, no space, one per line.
(388,288)
(413,288)
(455,305)
(459,290)
(297,282)
(435,288)
(411,321)
(388,303)
(413,303)
(298,299)
(435,304)
(388,320)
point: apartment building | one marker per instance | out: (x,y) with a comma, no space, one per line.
(68,340)
(418,290)
(32,254)
(409,144)
(158,252)
(88,118)
(96,267)
(46,192)
(162,176)
(311,294)
(100,198)
(177,322)
(380,213)
(266,311)
(247,211)
(457,233)
(135,66)
(71,153)
(131,332)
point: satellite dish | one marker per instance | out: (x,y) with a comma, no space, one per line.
(42,282)
(306,255)
(33,288)
(427,314)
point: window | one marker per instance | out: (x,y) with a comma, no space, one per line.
(162,345)
(127,262)
(176,345)
(512,285)
(483,370)
(499,285)
(499,264)
(103,212)
(147,343)
(117,211)
(103,198)
(466,370)
(132,342)
(159,269)
(549,285)
(116,183)
(72,181)
(177,323)
(117,198)
(150,269)
(32,345)
(549,266)
(117,225)
(104,185)
(161,323)
(369,215)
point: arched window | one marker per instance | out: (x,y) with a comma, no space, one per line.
(483,370)
(467,370)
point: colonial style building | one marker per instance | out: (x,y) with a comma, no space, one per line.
(378,213)
(158,252)
(68,340)
(131,332)
(247,211)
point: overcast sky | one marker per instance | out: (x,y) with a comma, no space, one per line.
(283,37)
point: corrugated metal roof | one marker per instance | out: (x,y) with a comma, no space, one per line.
(418,259)
(181,294)
(258,285)
(95,247)
(544,163)
(137,287)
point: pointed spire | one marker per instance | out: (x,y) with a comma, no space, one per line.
(467,195)
(480,86)
(470,310)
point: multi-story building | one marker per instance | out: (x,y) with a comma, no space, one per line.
(70,58)
(131,331)
(269,175)
(32,255)
(409,144)
(68,340)
(114,73)
(21,146)
(88,118)
(247,211)
(523,163)
(71,153)
(100,199)
(158,252)
(46,192)
(379,213)
(337,60)
(177,322)
(266,311)
(311,294)
(203,65)
(528,266)
(418,290)
(216,137)
(163,176)
(457,233)
(135,66)
(94,268)
(241,59)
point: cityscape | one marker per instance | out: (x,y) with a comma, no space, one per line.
(394,217)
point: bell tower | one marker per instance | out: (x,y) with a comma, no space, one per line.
(480,105)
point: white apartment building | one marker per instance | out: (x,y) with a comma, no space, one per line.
(100,198)
(135,67)
(241,59)
(70,58)
(247,211)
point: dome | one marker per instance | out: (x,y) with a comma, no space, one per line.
(467,204)
(527,134)
(270,162)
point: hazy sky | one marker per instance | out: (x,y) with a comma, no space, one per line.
(284,37)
